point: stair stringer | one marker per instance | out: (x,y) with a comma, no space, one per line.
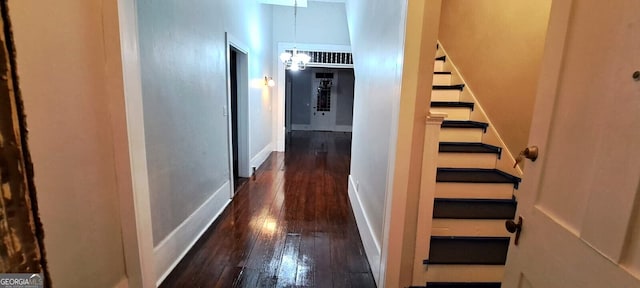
(492,136)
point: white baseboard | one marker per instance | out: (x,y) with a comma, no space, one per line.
(124,283)
(262,156)
(336,128)
(342,128)
(301,127)
(169,252)
(371,245)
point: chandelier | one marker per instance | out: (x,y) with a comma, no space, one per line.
(295,60)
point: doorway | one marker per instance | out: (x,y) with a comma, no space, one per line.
(233,77)
(237,110)
(323,56)
(319,99)
(323,109)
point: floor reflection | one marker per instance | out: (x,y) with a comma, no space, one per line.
(290,226)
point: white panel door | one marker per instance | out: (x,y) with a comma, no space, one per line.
(580,200)
(323,104)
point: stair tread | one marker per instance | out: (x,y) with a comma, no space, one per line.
(464,124)
(456,208)
(468,250)
(476,175)
(442,72)
(477,200)
(452,104)
(442,58)
(449,87)
(466,147)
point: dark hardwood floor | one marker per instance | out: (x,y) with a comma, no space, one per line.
(289,226)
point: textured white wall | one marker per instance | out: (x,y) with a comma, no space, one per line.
(377,40)
(377,46)
(182,51)
(70,76)
(67,61)
(344,97)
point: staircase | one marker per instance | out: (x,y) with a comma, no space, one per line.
(473,198)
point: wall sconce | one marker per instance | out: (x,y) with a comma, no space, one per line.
(268,81)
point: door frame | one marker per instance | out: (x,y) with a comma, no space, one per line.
(131,156)
(287,109)
(21,184)
(244,167)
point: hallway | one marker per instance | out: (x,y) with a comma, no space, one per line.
(289,226)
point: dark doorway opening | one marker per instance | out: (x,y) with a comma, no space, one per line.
(238,181)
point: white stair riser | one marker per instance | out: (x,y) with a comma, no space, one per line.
(442,79)
(474,190)
(438,66)
(465,273)
(454,113)
(461,134)
(469,227)
(445,95)
(467,160)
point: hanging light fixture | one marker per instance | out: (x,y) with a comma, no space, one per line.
(295,60)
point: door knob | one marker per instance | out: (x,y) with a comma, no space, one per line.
(530,153)
(514,227)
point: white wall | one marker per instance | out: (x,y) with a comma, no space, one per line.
(72,83)
(344,98)
(377,38)
(319,23)
(68,61)
(184,88)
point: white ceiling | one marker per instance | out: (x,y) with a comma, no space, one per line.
(301,3)
(333,1)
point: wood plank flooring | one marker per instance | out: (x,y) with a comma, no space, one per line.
(289,226)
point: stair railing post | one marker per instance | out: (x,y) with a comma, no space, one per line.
(427,195)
